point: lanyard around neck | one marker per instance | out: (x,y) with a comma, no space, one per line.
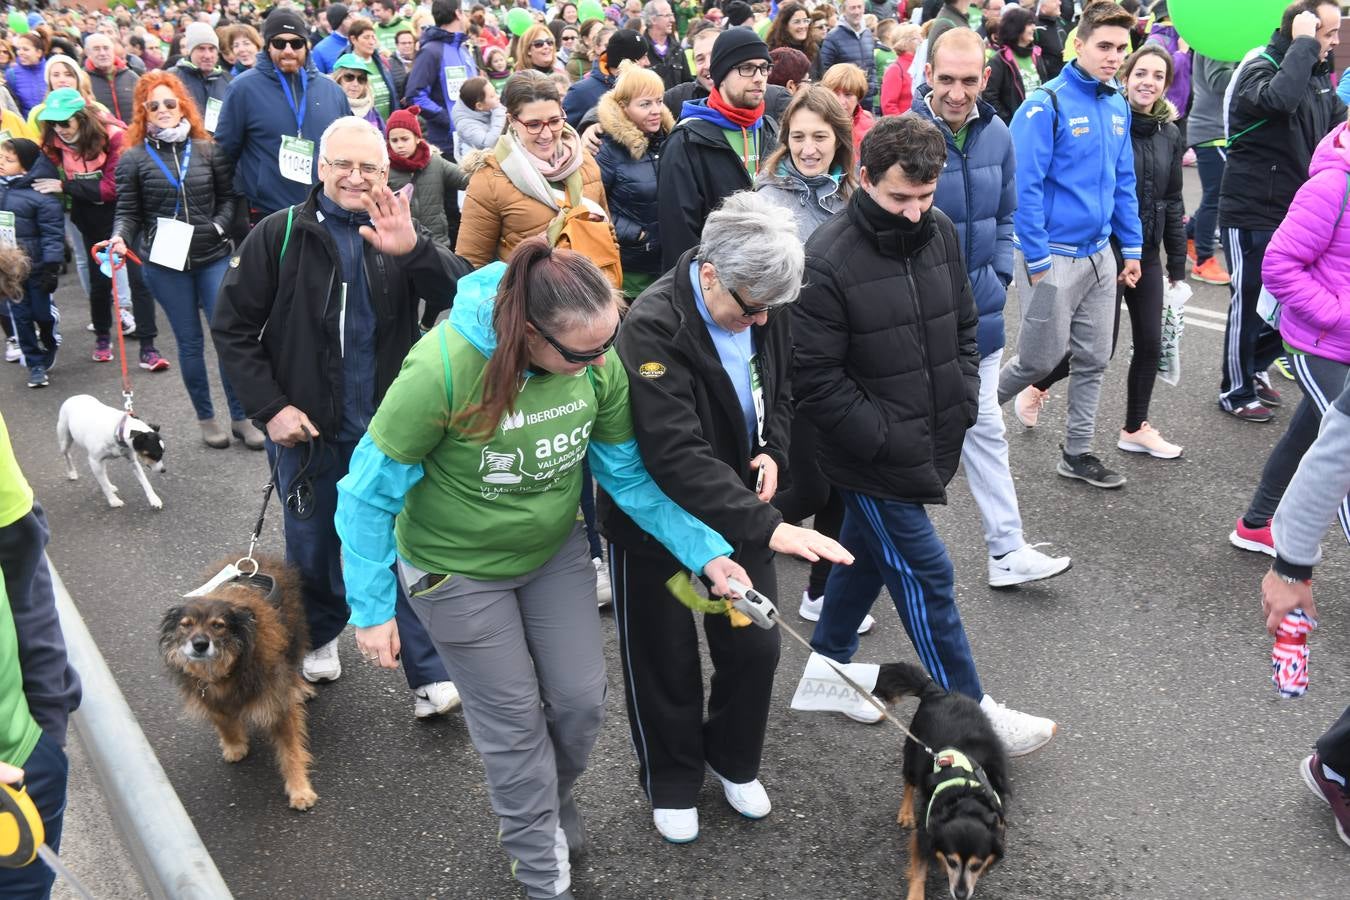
(176,183)
(290,98)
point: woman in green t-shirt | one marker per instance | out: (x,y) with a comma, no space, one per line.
(467,485)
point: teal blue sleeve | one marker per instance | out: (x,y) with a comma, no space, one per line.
(620,471)
(370,496)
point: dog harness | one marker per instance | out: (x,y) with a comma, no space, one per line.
(955,762)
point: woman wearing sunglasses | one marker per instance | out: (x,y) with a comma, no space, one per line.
(707,351)
(365,46)
(357,77)
(536,49)
(518,188)
(466,484)
(175,204)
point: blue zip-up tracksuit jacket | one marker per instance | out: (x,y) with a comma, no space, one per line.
(1075,172)
(253,117)
(426,87)
(328,51)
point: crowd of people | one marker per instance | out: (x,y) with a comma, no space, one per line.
(461,265)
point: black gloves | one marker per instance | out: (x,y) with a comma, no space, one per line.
(47,277)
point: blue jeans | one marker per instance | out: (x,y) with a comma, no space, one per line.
(34,325)
(184,296)
(894,543)
(1209,162)
(44,775)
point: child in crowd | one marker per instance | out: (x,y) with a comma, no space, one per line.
(478,116)
(496,66)
(897,85)
(436,183)
(34,224)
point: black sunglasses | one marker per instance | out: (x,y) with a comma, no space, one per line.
(746,310)
(167,103)
(574,357)
(293,43)
(543,42)
(355,76)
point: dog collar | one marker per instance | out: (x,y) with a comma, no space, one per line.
(954,762)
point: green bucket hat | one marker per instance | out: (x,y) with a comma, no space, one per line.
(61,105)
(352,61)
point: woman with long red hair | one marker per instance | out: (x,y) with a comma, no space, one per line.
(175,206)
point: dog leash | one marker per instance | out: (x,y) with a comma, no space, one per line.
(118,261)
(23,838)
(760,610)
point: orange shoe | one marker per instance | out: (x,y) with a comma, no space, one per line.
(1190,250)
(1210,272)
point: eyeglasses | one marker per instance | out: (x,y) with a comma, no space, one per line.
(800,21)
(344,168)
(167,103)
(66,123)
(750,70)
(747,311)
(569,38)
(572,356)
(540,44)
(820,26)
(554,124)
(280,44)
(353,76)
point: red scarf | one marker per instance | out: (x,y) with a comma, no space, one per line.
(743,118)
(415,163)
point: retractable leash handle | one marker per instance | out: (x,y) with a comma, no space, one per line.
(21,831)
(752,604)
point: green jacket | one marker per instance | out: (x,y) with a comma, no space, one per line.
(19,733)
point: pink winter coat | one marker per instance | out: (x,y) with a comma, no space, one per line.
(1307,265)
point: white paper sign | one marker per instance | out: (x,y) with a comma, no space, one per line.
(821,688)
(212,114)
(172,241)
(8,237)
(296,159)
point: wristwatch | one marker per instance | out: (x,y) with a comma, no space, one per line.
(1289,579)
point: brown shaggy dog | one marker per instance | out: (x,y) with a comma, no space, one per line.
(237,658)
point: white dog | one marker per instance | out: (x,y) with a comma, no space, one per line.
(106,433)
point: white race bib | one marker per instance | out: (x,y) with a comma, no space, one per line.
(455,76)
(172,241)
(296,159)
(8,237)
(212,114)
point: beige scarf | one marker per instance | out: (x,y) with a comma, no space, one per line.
(532,175)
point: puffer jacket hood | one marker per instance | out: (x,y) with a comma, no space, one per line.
(475,298)
(1332,153)
(616,124)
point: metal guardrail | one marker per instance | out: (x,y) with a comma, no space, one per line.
(164,845)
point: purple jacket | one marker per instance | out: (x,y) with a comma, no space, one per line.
(1307,265)
(28,84)
(1180,91)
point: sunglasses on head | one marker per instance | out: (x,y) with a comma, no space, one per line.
(293,43)
(167,103)
(572,356)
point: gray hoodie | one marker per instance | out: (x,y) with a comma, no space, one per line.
(1309,504)
(1209,83)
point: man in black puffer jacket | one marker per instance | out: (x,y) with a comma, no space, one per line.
(887,368)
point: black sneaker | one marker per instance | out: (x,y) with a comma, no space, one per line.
(1250,412)
(1086,467)
(1265,392)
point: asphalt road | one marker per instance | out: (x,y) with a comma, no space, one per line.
(1174,775)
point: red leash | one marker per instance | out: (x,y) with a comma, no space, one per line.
(118,262)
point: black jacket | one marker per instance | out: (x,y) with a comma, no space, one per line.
(674,66)
(1158,148)
(207,197)
(276,323)
(201,85)
(886,358)
(688,421)
(1006,89)
(1277,114)
(699,170)
(1051,35)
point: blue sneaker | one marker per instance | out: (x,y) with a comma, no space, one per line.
(37,377)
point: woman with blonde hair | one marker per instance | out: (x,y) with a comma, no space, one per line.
(636,122)
(536,49)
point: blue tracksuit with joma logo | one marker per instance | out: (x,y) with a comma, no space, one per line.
(1075,171)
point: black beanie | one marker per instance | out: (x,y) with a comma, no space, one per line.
(26,151)
(738,13)
(337,14)
(283,21)
(733,47)
(624,44)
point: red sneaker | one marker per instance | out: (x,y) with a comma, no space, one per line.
(1331,793)
(102,350)
(1257,540)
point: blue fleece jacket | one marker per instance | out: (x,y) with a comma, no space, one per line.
(977,192)
(254,116)
(327,51)
(438,51)
(1075,171)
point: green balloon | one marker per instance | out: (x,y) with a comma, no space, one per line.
(590,9)
(1226,29)
(18,22)
(519,21)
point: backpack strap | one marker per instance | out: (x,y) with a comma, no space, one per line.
(286,241)
(1259,122)
(1054,105)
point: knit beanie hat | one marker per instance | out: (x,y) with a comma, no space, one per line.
(26,151)
(199,33)
(733,47)
(738,13)
(337,14)
(283,21)
(624,44)
(405,118)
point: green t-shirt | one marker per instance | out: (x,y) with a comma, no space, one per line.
(500,509)
(1031,79)
(380,87)
(388,34)
(747,151)
(18,732)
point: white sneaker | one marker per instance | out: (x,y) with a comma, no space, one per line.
(128,320)
(679,826)
(12,352)
(862,711)
(435,699)
(604,591)
(811,607)
(322,664)
(749,799)
(1024,564)
(1021,733)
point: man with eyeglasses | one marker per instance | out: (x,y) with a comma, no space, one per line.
(273,115)
(313,320)
(664,52)
(717,147)
(444,62)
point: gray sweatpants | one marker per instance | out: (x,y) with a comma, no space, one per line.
(1071,309)
(528,659)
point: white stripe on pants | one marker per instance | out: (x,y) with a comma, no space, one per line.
(985,456)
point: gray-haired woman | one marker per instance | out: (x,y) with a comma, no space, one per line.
(708,352)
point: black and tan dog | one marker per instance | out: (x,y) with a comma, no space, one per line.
(953,803)
(236,655)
